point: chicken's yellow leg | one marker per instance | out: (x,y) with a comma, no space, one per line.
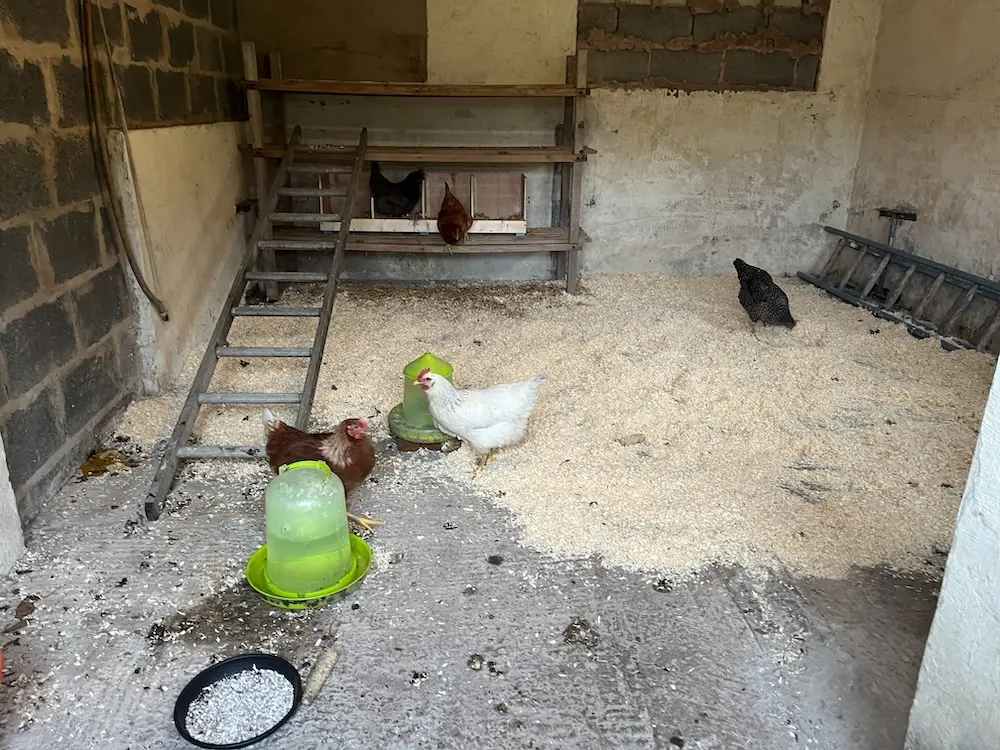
(368,523)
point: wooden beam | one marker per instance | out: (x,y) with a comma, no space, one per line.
(341,155)
(373,88)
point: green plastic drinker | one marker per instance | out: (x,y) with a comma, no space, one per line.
(308,542)
(411,420)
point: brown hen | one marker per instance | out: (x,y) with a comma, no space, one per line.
(454,221)
(348,451)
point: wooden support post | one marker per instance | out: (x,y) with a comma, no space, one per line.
(267,260)
(575,132)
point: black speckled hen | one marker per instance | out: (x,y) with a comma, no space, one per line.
(763,300)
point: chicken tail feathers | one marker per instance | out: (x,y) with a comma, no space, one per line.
(271,422)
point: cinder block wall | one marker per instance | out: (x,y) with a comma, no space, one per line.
(66,341)
(704,44)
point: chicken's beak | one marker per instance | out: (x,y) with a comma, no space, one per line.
(416,382)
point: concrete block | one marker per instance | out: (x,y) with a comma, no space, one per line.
(197,8)
(145,36)
(209,51)
(172,93)
(137,87)
(71,241)
(35,344)
(18,280)
(172,4)
(181,41)
(113,23)
(31,436)
(618,66)
(745,68)
(233,103)
(744,21)
(76,168)
(787,3)
(232,57)
(688,67)
(654,24)
(88,388)
(38,20)
(601,17)
(23,185)
(99,305)
(203,98)
(22,91)
(223,13)
(807,72)
(798,26)
(71,83)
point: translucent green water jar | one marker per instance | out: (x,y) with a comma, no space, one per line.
(416,412)
(308,542)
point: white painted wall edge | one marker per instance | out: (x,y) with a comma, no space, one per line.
(11,535)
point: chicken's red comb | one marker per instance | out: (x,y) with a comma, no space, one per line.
(425,371)
(363,422)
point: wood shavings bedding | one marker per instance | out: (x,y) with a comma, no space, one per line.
(667,437)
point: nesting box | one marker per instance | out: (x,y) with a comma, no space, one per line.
(496,200)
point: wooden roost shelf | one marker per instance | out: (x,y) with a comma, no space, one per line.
(567,158)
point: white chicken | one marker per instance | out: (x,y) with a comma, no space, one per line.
(486,419)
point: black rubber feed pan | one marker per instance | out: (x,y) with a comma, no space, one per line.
(228,668)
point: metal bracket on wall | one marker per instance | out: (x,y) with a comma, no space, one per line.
(896,216)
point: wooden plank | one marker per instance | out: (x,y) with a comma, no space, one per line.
(267,259)
(255,452)
(883,264)
(897,290)
(330,293)
(330,159)
(463,249)
(304,192)
(235,399)
(929,296)
(962,306)
(262,351)
(375,88)
(166,470)
(301,218)
(576,129)
(832,260)
(984,338)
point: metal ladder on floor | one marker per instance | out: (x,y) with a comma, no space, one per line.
(177,448)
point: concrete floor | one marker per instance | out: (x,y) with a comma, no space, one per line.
(572,655)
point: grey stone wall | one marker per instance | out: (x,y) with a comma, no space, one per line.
(703,44)
(66,341)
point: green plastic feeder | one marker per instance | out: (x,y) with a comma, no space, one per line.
(411,420)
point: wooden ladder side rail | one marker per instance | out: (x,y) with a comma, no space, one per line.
(166,471)
(330,293)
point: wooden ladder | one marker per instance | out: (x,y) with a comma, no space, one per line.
(177,448)
(965,288)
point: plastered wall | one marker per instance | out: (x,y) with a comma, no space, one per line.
(931,136)
(681,183)
(191,178)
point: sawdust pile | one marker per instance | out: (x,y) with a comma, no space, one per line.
(667,437)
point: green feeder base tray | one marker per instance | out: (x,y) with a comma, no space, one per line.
(257,578)
(410,438)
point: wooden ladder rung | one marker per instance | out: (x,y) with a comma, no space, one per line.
(305,192)
(299,244)
(222,451)
(962,306)
(929,296)
(307,168)
(845,279)
(875,276)
(302,218)
(263,351)
(249,398)
(897,290)
(272,311)
(988,332)
(294,277)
